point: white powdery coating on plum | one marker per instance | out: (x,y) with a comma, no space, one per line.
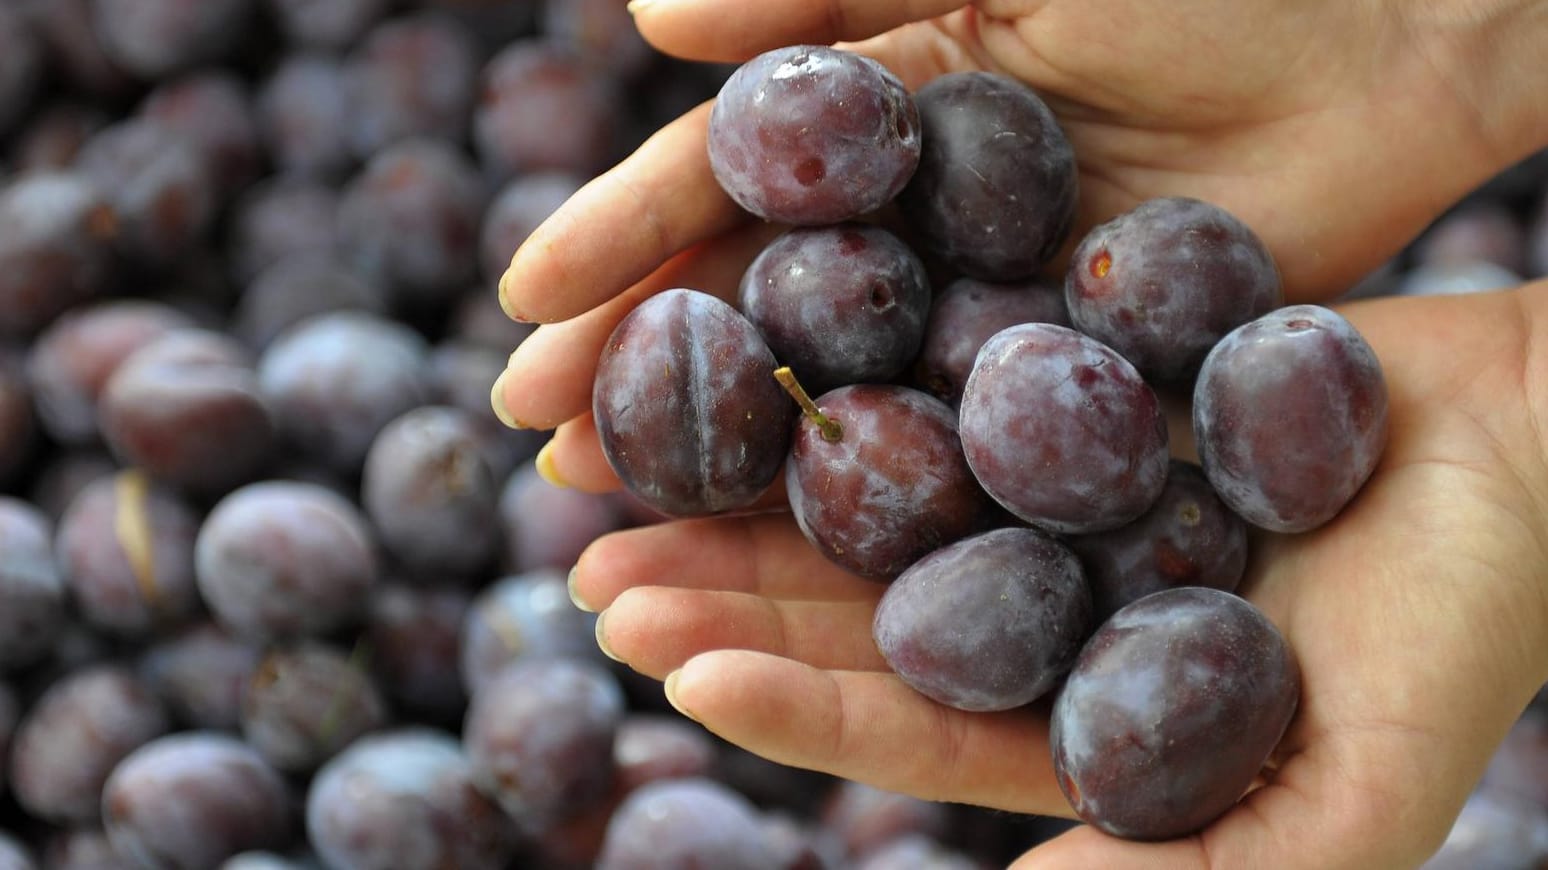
(688,412)
(1018,610)
(1071,457)
(775,114)
(387,799)
(1290,417)
(1181,273)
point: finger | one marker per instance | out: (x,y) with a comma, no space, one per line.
(760,555)
(548,379)
(655,629)
(741,30)
(872,728)
(1367,801)
(574,458)
(621,226)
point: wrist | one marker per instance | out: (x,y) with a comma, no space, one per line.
(1490,52)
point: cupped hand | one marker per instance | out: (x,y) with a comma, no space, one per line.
(1335,129)
(1419,617)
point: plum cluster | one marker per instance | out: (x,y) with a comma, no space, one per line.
(997,452)
(277,590)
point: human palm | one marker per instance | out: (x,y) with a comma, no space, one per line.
(1418,616)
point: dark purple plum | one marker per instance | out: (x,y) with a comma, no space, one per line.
(1062,431)
(21,65)
(543,107)
(650,747)
(865,817)
(994,195)
(307,702)
(810,135)
(686,406)
(1187,538)
(157,182)
(125,547)
(547,526)
(73,359)
(1495,831)
(1473,233)
(893,487)
(327,24)
(214,111)
(10,713)
(201,674)
(80,849)
(514,213)
(1170,712)
(18,417)
(681,823)
(32,593)
(965,315)
(915,852)
(282,559)
(462,374)
(1520,763)
(152,38)
(539,736)
(412,76)
(269,861)
(405,800)
(14,855)
(56,244)
(524,616)
(991,622)
(67,473)
(839,305)
(298,287)
(430,494)
(477,319)
(1161,284)
(601,31)
(335,380)
(1290,417)
(278,218)
(302,116)
(186,408)
(53,137)
(194,799)
(77,55)
(73,737)
(414,636)
(409,222)
(1451,279)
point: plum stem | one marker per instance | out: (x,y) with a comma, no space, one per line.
(830,428)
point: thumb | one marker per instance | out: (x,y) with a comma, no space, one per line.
(733,30)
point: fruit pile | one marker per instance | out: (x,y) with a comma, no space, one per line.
(277,590)
(1001,458)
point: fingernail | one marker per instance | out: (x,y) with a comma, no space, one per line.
(671,694)
(602,638)
(504,294)
(634,6)
(497,402)
(575,598)
(546,469)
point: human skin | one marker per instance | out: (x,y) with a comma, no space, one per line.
(1337,131)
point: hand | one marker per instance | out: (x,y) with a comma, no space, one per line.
(1336,129)
(1419,616)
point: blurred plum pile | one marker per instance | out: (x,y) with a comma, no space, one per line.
(276,588)
(991,443)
